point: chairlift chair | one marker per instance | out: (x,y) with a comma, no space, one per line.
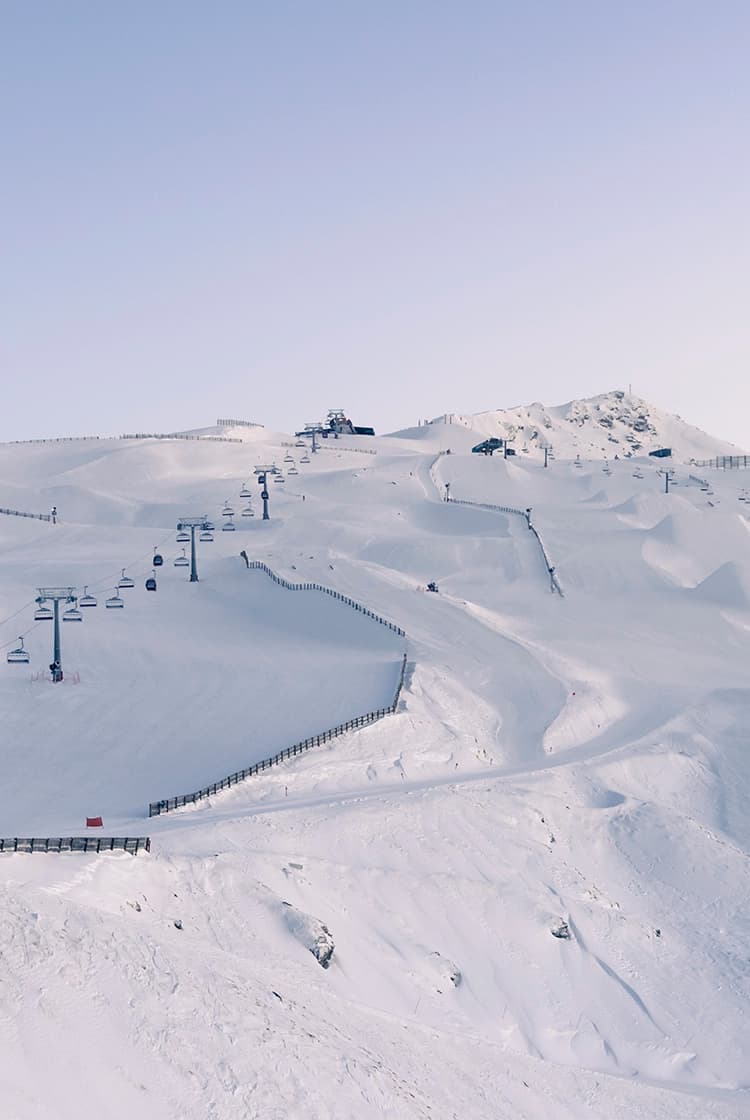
(245,493)
(43,613)
(288,458)
(205,536)
(208,526)
(72,614)
(279,478)
(305,458)
(151,582)
(87,600)
(125,581)
(228,527)
(182,537)
(300,443)
(248,511)
(19,655)
(227,512)
(292,470)
(114,601)
(181,561)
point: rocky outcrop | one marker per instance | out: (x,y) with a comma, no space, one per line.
(310,932)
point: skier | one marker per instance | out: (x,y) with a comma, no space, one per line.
(243,554)
(53,515)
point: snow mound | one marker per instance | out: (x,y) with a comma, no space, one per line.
(728,585)
(664,530)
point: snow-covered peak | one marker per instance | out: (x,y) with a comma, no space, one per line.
(605,425)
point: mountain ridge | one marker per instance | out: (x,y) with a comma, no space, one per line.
(604,425)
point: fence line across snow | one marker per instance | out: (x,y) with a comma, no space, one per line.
(156,808)
(20,513)
(526,514)
(554,582)
(258,564)
(31,844)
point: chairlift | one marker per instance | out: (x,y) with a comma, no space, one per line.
(151,582)
(125,581)
(87,600)
(292,470)
(72,614)
(208,526)
(227,512)
(279,478)
(158,560)
(206,536)
(300,443)
(183,537)
(114,601)
(228,527)
(305,458)
(288,458)
(181,561)
(248,511)
(245,493)
(18,656)
(43,613)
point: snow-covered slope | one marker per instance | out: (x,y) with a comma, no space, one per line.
(615,423)
(533,875)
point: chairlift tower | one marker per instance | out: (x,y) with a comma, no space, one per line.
(263,472)
(57,595)
(312,430)
(193,523)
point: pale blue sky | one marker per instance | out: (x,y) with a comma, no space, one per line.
(269,209)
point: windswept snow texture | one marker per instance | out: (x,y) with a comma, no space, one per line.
(533,877)
(614,423)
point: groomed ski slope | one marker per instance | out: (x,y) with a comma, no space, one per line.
(579,760)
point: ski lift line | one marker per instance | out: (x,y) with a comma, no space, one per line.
(24,635)
(16,613)
(105,581)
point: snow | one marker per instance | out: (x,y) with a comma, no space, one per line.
(572,764)
(614,423)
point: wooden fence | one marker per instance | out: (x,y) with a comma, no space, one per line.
(156,808)
(30,844)
(20,513)
(258,564)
